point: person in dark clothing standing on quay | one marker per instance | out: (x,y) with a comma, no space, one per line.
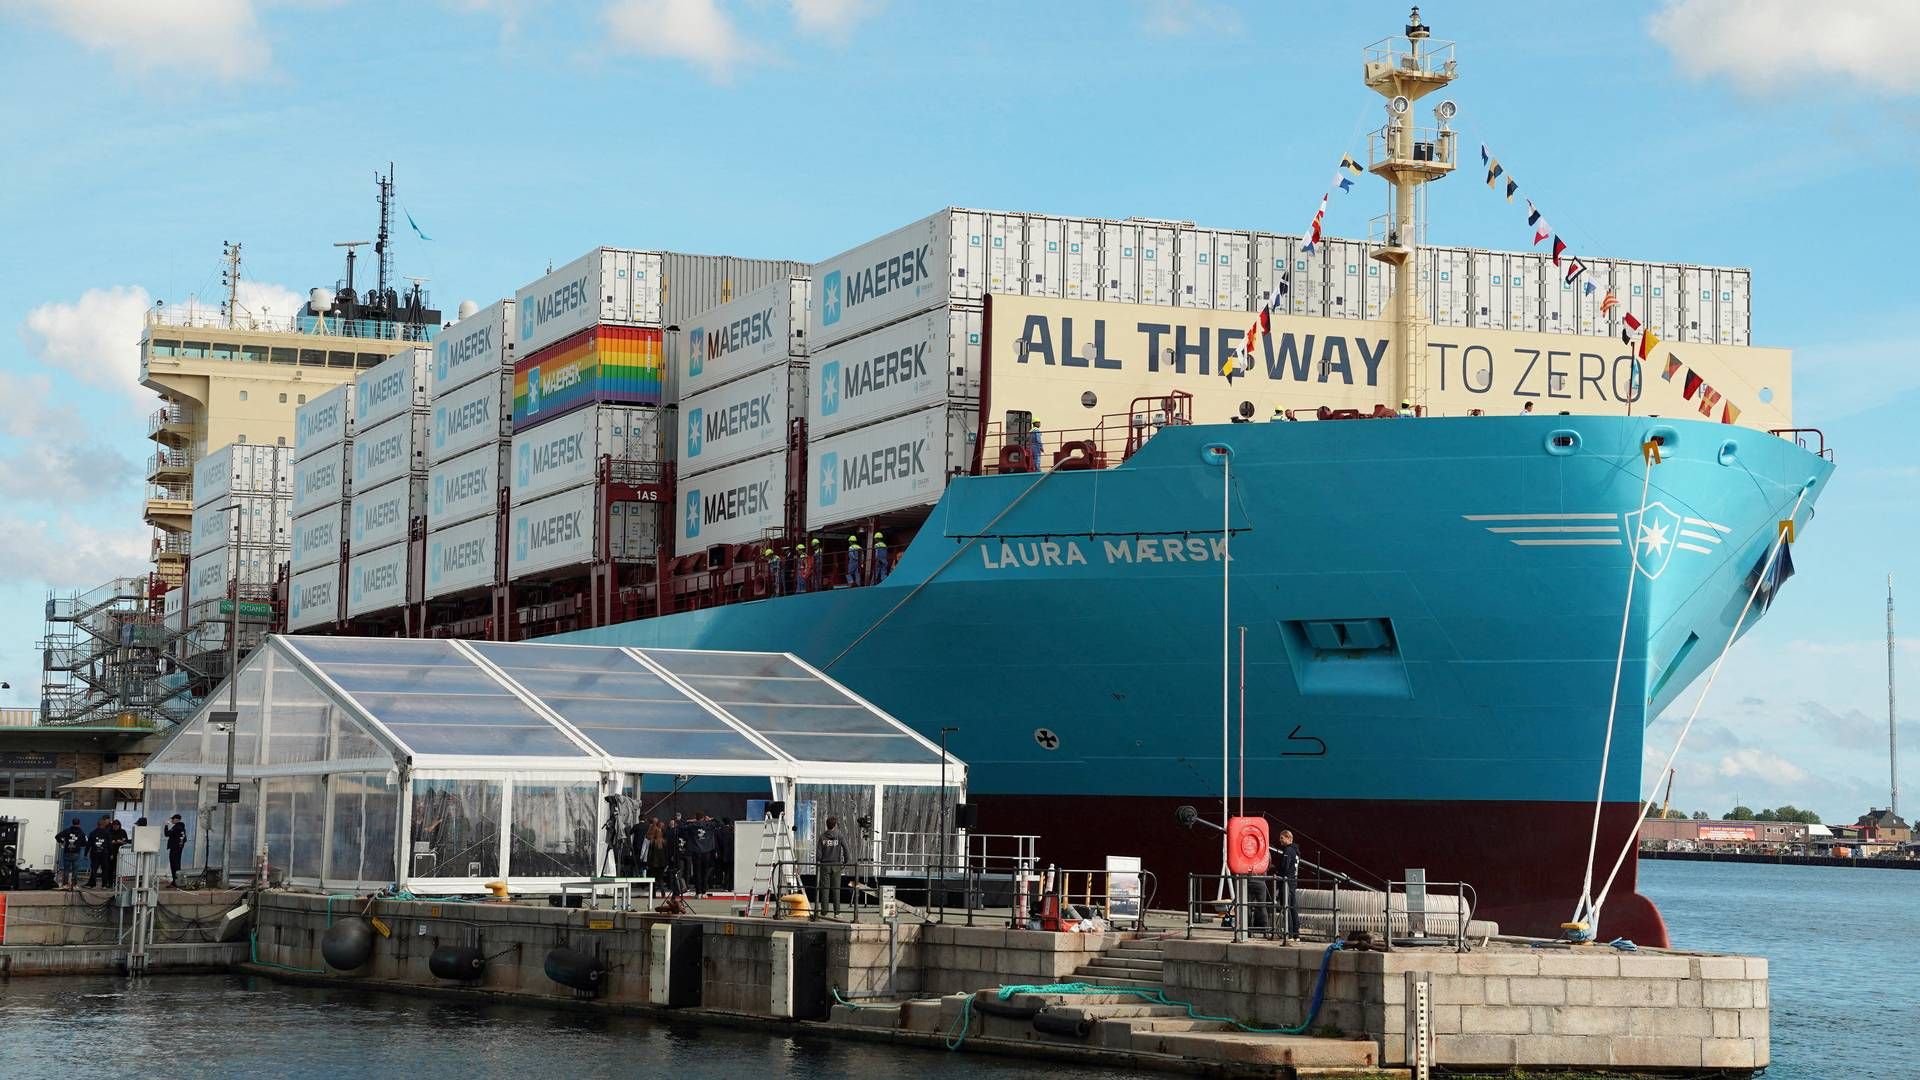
(119,839)
(98,843)
(701,844)
(72,842)
(1286,868)
(176,834)
(834,854)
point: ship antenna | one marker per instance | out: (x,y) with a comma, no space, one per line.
(383,244)
(1403,70)
(230,277)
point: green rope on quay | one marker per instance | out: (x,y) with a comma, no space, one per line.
(957,1035)
(253,955)
(848,1004)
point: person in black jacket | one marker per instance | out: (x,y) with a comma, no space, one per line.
(834,853)
(118,838)
(703,840)
(72,842)
(1286,868)
(176,834)
(99,842)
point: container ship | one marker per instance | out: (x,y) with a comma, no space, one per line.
(1032,485)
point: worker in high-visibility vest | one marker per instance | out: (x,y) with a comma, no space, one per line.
(772,560)
(853,561)
(805,562)
(882,559)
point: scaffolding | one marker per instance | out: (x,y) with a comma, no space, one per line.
(109,659)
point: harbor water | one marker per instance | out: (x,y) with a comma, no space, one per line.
(1843,952)
(1840,942)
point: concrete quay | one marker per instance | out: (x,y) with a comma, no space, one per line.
(84,932)
(1163,1000)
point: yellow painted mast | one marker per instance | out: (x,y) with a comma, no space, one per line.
(1403,70)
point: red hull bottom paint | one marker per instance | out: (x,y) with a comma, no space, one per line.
(1524,859)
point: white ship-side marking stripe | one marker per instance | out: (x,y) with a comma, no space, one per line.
(1553,528)
(1708,537)
(1539,517)
(1611,542)
(1707,524)
(1682,545)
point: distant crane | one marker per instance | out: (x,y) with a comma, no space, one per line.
(1893,745)
(1666,804)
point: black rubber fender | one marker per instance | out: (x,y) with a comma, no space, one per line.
(460,963)
(576,969)
(989,1003)
(1052,1022)
(347,944)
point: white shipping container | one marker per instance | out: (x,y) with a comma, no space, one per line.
(742,419)
(948,255)
(888,466)
(552,532)
(691,285)
(391,387)
(566,452)
(476,345)
(313,598)
(207,573)
(321,480)
(247,468)
(760,329)
(606,285)
(377,580)
(472,415)
(172,604)
(633,531)
(323,421)
(732,505)
(316,538)
(381,515)
(259,520)
(467,486)
(462,556)
(909,365)
(392,449)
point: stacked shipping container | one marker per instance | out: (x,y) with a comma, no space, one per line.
(472,421)
(323,432)
(242,524)
(589,382)
(389,481)
(745,382)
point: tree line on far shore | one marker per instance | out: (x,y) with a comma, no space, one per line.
(1788,812)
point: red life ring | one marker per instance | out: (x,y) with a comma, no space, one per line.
(1247,845)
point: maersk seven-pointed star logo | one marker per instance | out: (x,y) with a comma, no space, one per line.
(830,388)
(697,351)
(1654,531)
(830,298)
(829,477)
(693,514)
(695,418)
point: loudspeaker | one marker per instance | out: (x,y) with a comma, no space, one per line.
(966,816)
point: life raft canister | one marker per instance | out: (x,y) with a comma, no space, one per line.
(1247,845)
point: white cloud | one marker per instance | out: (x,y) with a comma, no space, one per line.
(1760,765)
(265,299)
(832,18)
(1178,18)
(64,467)
(204,37)
(699,32)
(95,339)
(1766,46)
(66,553)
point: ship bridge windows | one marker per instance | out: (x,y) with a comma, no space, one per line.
(284,356)
(1345,657)
(157,347)
(314,357)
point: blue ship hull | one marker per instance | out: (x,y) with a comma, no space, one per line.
(1432,611)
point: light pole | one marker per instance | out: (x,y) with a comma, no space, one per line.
(944,812)
(233,699)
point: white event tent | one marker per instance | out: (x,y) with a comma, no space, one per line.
(439,765)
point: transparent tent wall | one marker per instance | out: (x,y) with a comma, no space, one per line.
(170,795)
(455,829)
(365,809)
(554,826)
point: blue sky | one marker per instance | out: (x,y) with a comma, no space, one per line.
(1773,134)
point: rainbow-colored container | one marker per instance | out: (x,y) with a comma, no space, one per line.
(602,364)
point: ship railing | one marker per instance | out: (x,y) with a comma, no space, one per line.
(196,317)
(1421,912)
(1400,53)
(1810,439)
(1008,446)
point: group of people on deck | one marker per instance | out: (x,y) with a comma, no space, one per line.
(808,566)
